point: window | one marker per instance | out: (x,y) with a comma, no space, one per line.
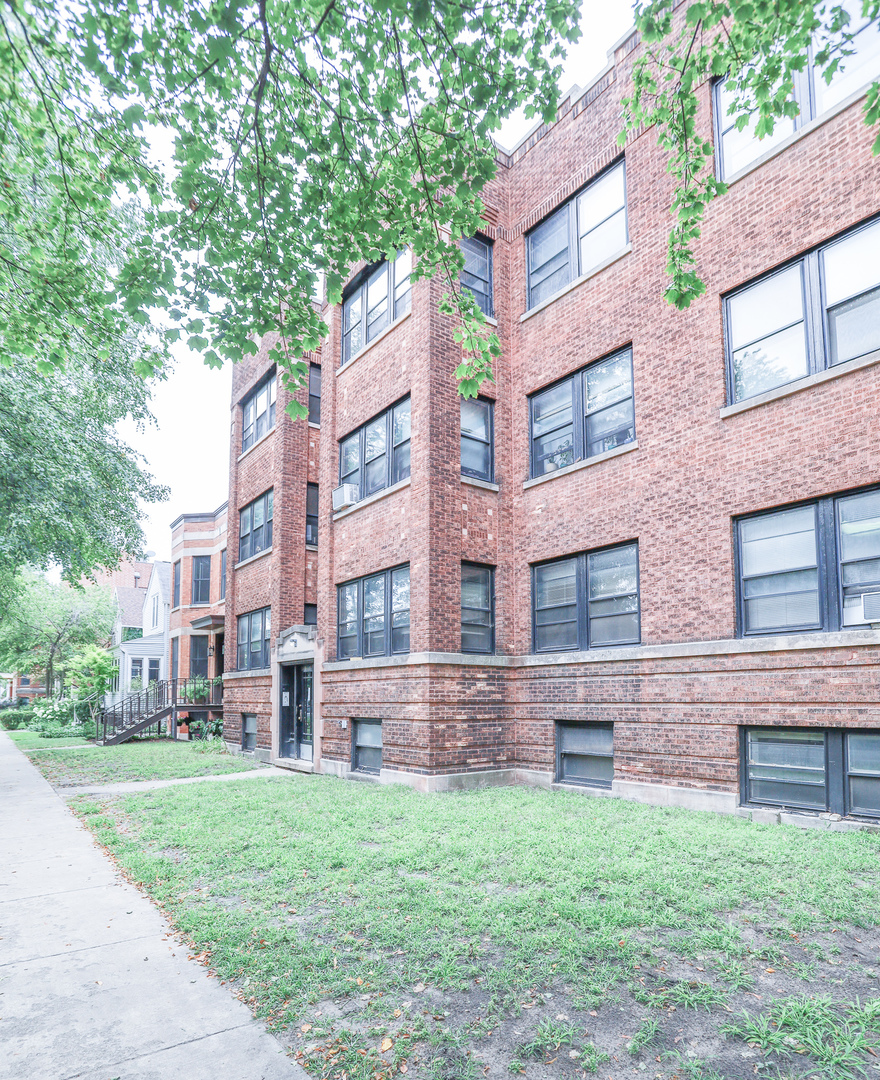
(738,149)
(223,574)
(198,657)
(155,611)
(586,414)
(255,527)
(254,631)
(175,657)
(201,583)
(477,273)
(314,393)
(258,412)
(310,615)
(580,235)
(137,673)
(380,295)
(477,438)
(248,732)
(807,567)
(153,670)
(25,680)
(820,311)
(312,514)
(813,769)
(373,615)
(366,746)
(587,601)
(377,455)
(132,633)
(585,754)
(175,589)
(477,608)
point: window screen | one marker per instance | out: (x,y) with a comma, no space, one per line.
(585,754)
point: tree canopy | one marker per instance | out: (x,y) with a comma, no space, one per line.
(49,623)
(760,46)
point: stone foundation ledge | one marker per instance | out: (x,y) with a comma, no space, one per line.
(686,798)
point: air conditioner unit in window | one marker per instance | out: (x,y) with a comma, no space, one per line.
(871,607)
(343,496)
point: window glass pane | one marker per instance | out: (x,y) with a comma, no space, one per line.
(477,272)
(552,428)
(401,463)
(741,148)
(377,302)
(586,738)
(608,382)
(852,265)
(585,769)
(475,418)
(854,328)
(374,438)
(603,242)
(402,422)
(402,290)
(312,499)
(856,70)
(762,309)
(603,198)
(778,359)
(551,409)
(548,257)
(556,605)
(787,767)
(475,458)
(781,541)
(614,572)
(859,523)
(350,453)
(314,394)
(609,428)
(586,753)
(863,752)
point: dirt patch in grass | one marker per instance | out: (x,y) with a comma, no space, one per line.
(382,933)
(150,759)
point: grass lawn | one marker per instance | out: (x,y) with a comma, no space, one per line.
(149,759)
(30,740)
(511,931)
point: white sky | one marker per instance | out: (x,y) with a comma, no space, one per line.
(188,450)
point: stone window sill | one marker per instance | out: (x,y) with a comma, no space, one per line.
(372,345)
(574,284)
(486,485)
(253,558)
(253,446)
(806,383)
(370,499)
(585,464)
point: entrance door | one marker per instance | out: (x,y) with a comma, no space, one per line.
(296,711)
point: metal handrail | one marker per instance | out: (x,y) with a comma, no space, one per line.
(159,696)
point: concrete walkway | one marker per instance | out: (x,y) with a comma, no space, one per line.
(92,983)
(129,787)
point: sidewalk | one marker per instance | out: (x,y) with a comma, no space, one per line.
(92,984)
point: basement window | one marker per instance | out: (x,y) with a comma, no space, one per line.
(585,754)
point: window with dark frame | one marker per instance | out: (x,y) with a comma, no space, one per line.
(152,670)
(255,526)
(476,276)
(175,588)
(248,732)
(223,574)
(477,438)
(314,393)
(812,314)
(137,670)
(310,614)
(366,746)
(379,296)
(586,601)
(585,754)
(585,414)
(201,582)
(736,150)
(312,514)
(377,455)
(258,412)
(198,656)
(578,237)
(477,608)
(373,615)
(812,769)
(253,639)
(806,567)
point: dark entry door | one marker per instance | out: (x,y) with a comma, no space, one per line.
(296,711)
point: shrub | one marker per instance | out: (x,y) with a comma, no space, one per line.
(13,719)
(53,711)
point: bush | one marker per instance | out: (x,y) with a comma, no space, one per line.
(211,745)
(13,719)
(59,731)
(53,711)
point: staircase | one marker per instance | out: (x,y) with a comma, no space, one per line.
(149,707)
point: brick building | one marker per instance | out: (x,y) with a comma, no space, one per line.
(647,560)
(198,602)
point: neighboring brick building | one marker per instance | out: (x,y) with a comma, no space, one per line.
(198,601)
(639,562)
